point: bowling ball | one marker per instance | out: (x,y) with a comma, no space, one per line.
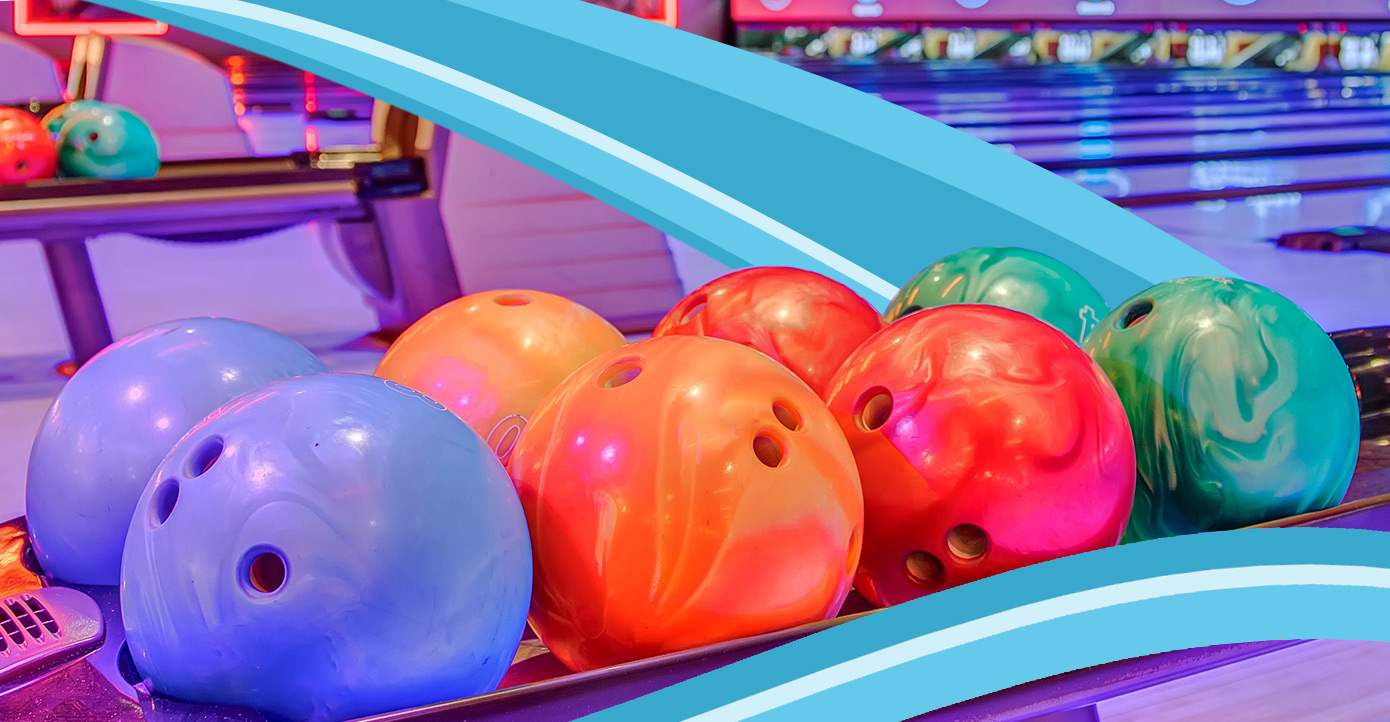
(805,321)
(683,491)
(107,141)
(27,154)
(1243,409)
(986,441)
(118,416)
(327,548)
(491,357)
(1014,278)
(53,122)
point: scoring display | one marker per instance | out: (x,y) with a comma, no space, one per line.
(757,11)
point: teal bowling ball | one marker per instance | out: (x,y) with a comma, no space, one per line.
(107,141)
(1243,411)
(53,122)
(1013,278)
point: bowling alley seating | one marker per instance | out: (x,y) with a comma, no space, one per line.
(188,101)
(511,226)
(29,73)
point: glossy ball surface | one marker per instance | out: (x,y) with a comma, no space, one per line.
(1014,278)
(53,121)
(986,441)
(805,321)
(107,141)
(1243,409)
(27,153)
(116,419)
(684,491)
(327,548)
(491,357)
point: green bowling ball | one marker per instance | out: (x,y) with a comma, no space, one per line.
(1243,411)
(1014,278)
(107,141)
(53,122)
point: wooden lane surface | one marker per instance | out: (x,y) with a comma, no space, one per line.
(1321,681)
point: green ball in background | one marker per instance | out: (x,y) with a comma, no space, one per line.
(107,141)
(53,122)
(1014,278)
(1243,410)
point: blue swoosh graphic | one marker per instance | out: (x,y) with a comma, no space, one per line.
(1032,623)
(748,160)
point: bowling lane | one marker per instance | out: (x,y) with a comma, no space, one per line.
(1177,127)
(1216,180)
(969,98)
(1067,80)
(980,108)
(1098,152)
(1104,98)
(1324,680)
(1034,88)
(1262,167)
(1339,290)
(972,118)
(1168,183)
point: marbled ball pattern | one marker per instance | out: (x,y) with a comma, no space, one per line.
(1013,278)
(1242,408)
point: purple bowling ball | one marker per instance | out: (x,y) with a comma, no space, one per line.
(327,548)
(116,419)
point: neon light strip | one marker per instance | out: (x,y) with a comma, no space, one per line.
(668,15)
(23,25)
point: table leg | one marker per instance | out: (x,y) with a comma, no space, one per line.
(84,314)
(421,263)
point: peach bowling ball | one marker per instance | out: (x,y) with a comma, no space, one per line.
(491,357)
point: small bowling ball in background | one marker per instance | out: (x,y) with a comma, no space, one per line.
(1243,409)
(327,548)
(986,441)
(118,416)
(27,153)
(53,122)
(1014,278)
(491,357)
(805,321)
(107,141)
(684,491)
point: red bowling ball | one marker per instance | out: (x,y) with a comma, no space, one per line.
(27,153)
(986,440)
(805,321)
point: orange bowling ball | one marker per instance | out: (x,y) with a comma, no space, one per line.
(684,491)
(492,357)
(807,322)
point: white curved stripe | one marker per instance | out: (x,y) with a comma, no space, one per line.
(552,119)
(1044,611)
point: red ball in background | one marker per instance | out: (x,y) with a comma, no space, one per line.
(807,322)
(986,440)
(27,152)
